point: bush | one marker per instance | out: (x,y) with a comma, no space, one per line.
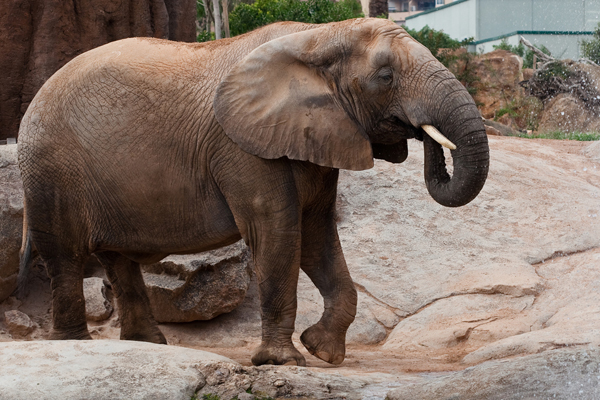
(441,45)
(521,51)
(591,48)
(247,17)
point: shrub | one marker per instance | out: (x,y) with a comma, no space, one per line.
(441,45)
(560,135)
(247,17)
(591,48)
(521,51)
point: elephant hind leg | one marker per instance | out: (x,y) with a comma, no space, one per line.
(135,314)
(65,268)
(323,261)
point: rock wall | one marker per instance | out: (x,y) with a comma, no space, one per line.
(11,219)
(37,37)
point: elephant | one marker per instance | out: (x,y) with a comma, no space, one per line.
(143,148)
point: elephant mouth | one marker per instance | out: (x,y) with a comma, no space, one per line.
(392,130)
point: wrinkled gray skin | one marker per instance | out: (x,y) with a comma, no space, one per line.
(143,148)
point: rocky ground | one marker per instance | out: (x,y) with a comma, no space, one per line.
(497,299)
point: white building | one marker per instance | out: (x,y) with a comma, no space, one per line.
(557,24)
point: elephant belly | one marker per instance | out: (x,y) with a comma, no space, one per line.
(162,215)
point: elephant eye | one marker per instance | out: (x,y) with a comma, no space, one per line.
(385,76)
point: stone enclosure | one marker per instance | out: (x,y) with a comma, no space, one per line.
(513,273)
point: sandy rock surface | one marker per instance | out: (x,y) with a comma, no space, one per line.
(111,369)
(11,219)
(558,374)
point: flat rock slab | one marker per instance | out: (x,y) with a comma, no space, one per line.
(570,373)
(113,369)
(102,369)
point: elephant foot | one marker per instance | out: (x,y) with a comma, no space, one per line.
(323,344)
(278,355)
(79,334)
(151,335)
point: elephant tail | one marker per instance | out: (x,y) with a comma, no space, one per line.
(25,257)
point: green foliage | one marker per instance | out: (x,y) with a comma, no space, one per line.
(247,17)
(525,112)
(209,396)
(521,51)
(441,45)
(560,135)
(556,69)
(591,48)
(205,36)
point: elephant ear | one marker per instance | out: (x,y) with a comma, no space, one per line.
(276,103)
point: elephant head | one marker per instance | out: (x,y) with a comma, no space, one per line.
(343,93)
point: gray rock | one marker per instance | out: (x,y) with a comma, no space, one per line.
(184,288)
(11,219)
(246,396)
(556,374)
(18,323)
(102,369)
(97,305)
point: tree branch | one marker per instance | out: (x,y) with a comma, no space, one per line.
(542,56)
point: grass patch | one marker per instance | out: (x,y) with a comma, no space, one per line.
(560,135)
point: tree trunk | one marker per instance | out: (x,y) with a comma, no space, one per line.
(217,16)
(226,18)
(378,8)
(37,37)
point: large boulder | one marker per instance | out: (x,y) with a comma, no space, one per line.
(498,75)
(184,288)
(37,37)
(570,92)
(447,282)
(11,219)
(557,374)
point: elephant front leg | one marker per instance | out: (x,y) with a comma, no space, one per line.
(323,261)
(277,263)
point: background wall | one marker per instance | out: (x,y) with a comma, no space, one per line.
(37,37)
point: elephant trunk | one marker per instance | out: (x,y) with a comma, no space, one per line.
(460,121)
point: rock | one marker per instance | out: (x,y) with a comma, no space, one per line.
(35,44)
(102,369)
(527,73)
(498,129)
(499,74)
(97,305)
(491,131)
(464,278)
(11,219)
(200,286)
(105,369)
(246,396)
(560,374)
(452,321)
(571,95)
(560,315)
(18,323)
(281,382)
(567,113)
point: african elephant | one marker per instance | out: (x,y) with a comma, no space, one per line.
(143,148)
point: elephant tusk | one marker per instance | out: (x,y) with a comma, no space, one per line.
(438,137)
